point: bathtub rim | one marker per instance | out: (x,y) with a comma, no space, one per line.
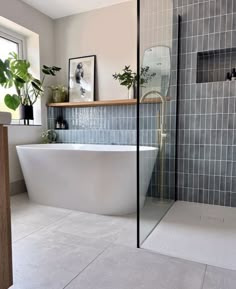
(87,147)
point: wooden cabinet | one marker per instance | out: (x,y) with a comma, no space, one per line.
(5,218)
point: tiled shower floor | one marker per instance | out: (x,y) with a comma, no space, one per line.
(61,249)
(197,232)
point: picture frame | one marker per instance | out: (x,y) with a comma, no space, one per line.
(81,78)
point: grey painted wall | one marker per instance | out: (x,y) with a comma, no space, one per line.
(207,120)
(26,16)
(110,34)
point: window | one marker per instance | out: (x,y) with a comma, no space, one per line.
(9,43)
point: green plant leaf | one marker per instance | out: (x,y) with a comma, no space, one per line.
(55,68)
(45,71)
(12,101)
(37,86)
(52,72)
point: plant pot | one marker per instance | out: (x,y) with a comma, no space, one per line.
(26,113)
(58,95)
(135,91)
(130,93)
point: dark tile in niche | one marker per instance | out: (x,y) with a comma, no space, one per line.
(230,141)
(216,198)
(206,196)
(229,22)
(201,10)
(233,88)
(227,198)
(206,9)
(223,23)
(222,183)
(217,24)
(230,122)
(234,7)
(195,27)
(196,11)
(233,199)
(206,26)
(218,7)
(223,6)
(228,39)
(211,197)
(212,25)
(222,40)
(234,38)
(212,8)
(229,6)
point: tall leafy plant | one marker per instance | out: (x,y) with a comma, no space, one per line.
(15,72)
(129,78)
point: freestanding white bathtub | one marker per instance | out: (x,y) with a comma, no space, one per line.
(98,179)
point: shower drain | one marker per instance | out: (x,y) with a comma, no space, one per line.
(212,219)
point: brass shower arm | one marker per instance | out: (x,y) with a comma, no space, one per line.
(152,92)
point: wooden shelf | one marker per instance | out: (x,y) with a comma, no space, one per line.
(104,102)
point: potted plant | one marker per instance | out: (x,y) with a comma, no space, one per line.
(14,72)
(129,79)
(126,78)
(59,93)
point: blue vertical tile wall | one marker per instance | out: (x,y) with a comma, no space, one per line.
(106,124)
(159,27)
(207,103)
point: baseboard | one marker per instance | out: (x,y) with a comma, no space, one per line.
(17,187)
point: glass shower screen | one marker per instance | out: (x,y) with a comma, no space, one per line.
(157,47)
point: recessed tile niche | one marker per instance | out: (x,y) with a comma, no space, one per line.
(213,66)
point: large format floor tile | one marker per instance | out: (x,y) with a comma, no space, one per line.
(91,226)
(21,230)
(49,260)
(217,278)
(33,214)
(56,249)
(28,217)
(197,232)
(127,268)
(128,235)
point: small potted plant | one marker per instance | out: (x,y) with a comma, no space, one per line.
(126,78)
(129,78)
(59,93)
(14,72)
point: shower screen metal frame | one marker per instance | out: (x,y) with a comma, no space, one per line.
(138,115)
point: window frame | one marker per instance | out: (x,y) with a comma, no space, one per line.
(20,40)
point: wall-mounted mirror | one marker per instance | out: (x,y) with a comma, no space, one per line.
(157,58)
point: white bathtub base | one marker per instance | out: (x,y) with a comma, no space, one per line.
(90,178)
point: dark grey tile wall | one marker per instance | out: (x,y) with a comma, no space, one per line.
(207,111)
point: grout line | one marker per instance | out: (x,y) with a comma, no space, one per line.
(204,278)
(87,266)
(39,229)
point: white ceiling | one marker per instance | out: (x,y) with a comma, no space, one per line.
(61,8)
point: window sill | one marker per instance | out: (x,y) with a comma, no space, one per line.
(23,125)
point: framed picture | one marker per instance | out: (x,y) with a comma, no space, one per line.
(82,78)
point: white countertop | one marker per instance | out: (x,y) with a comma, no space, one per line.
(5,118)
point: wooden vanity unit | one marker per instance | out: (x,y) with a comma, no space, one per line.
(6,278)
